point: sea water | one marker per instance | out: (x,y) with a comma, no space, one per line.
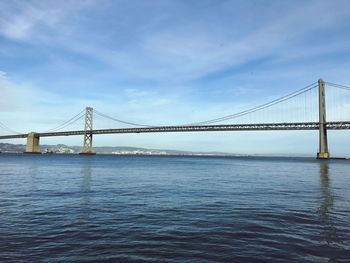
(105,208)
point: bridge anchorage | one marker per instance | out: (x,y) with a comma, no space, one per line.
(318,123)
(33,146)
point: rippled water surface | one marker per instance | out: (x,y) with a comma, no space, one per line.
(173,209)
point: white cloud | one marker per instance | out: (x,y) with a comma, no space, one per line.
(2,74)
(36,21)
(193,52)
(178,51)
(12,97)
(24,107)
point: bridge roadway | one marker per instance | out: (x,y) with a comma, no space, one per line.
(198,128)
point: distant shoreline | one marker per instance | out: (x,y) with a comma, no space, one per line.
(61,149)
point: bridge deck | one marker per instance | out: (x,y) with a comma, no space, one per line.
(199,128)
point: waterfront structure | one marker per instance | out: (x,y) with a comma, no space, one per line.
(322,125)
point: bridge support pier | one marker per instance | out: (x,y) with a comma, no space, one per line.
(87,147)
(33,143)
(323,143)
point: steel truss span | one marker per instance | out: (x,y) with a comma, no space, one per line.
(199,128)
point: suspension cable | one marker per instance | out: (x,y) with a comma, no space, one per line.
(260,107)
(68,122)
(80,115)
(338,86)
(227,117)
(5,128)
(120,121)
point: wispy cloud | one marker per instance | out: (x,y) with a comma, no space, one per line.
(35,21)
(163,47)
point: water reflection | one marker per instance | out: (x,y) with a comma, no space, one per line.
(33,171)
(86,182)
(327,203)
(325,188)
(85,192)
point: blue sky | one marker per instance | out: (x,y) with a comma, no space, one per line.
(169,62)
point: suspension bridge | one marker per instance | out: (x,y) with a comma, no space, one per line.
(304,109)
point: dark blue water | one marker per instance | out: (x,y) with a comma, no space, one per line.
(173,209)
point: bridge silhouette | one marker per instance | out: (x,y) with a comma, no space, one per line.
(312,96)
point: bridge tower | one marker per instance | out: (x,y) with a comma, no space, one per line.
(323,144)
(87,146)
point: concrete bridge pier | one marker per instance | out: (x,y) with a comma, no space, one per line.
(33,143)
